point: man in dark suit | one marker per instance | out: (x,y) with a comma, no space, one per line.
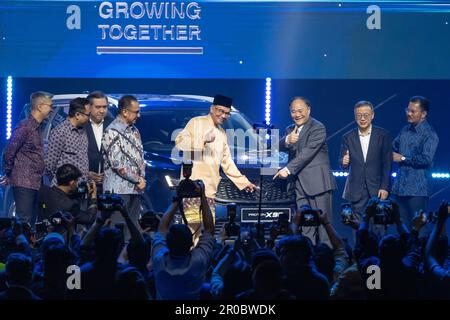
(367,152)
(98,104)
(309,163)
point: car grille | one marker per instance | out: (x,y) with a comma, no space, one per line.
(273,192)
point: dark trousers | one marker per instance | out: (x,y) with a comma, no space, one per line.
(133,204)
(321,201)
(359,207)
(409,206)
(26,204)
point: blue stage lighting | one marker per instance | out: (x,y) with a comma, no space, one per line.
(9,90)
(268,100)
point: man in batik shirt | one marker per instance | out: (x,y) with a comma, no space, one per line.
(23,160)
(124,158)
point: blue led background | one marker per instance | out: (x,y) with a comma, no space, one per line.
(239,39)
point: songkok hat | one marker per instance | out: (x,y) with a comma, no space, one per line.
(220,100)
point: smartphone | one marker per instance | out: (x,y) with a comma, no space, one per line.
(229,241)
(40,227)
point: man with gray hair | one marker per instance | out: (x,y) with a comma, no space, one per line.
(366,152)
(309,164)
(23,160)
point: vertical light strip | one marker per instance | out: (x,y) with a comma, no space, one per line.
(268,100)
(9,87)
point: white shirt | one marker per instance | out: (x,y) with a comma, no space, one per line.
(365,139)
(98,133)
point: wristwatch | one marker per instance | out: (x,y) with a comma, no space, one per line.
(403,158)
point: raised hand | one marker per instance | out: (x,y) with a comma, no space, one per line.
(292,137)
(346,159)
(397,157)
(383,194)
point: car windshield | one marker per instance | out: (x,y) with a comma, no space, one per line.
(159,128)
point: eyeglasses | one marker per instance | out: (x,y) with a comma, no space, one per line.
(133,111)
(407,110)
(46,104)
(360,116)
(86,114)
(221,112)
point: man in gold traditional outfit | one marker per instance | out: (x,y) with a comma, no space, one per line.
(204,137)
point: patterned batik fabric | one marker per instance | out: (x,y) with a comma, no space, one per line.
(23,159)
(67,145)
(124,158)
(418,145)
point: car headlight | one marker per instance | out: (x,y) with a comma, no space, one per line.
(171,182)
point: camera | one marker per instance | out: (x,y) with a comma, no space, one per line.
(309,217)
(430,217)
(109,202)
(82,187)
(232,229)
(41,227)
(280,227)
(383,214)
(59,218)
(246,238)
(346,212)
(149,221)
(433,216)
(188,188)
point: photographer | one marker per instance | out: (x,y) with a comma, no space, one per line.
(366,241)
(338,255)
(301,277)
(14,238)
(179,269)
(399,259)
(67,196)
(99,275)
(104,219)
(330,261)
(100,251)
(384,213)
(440,275)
